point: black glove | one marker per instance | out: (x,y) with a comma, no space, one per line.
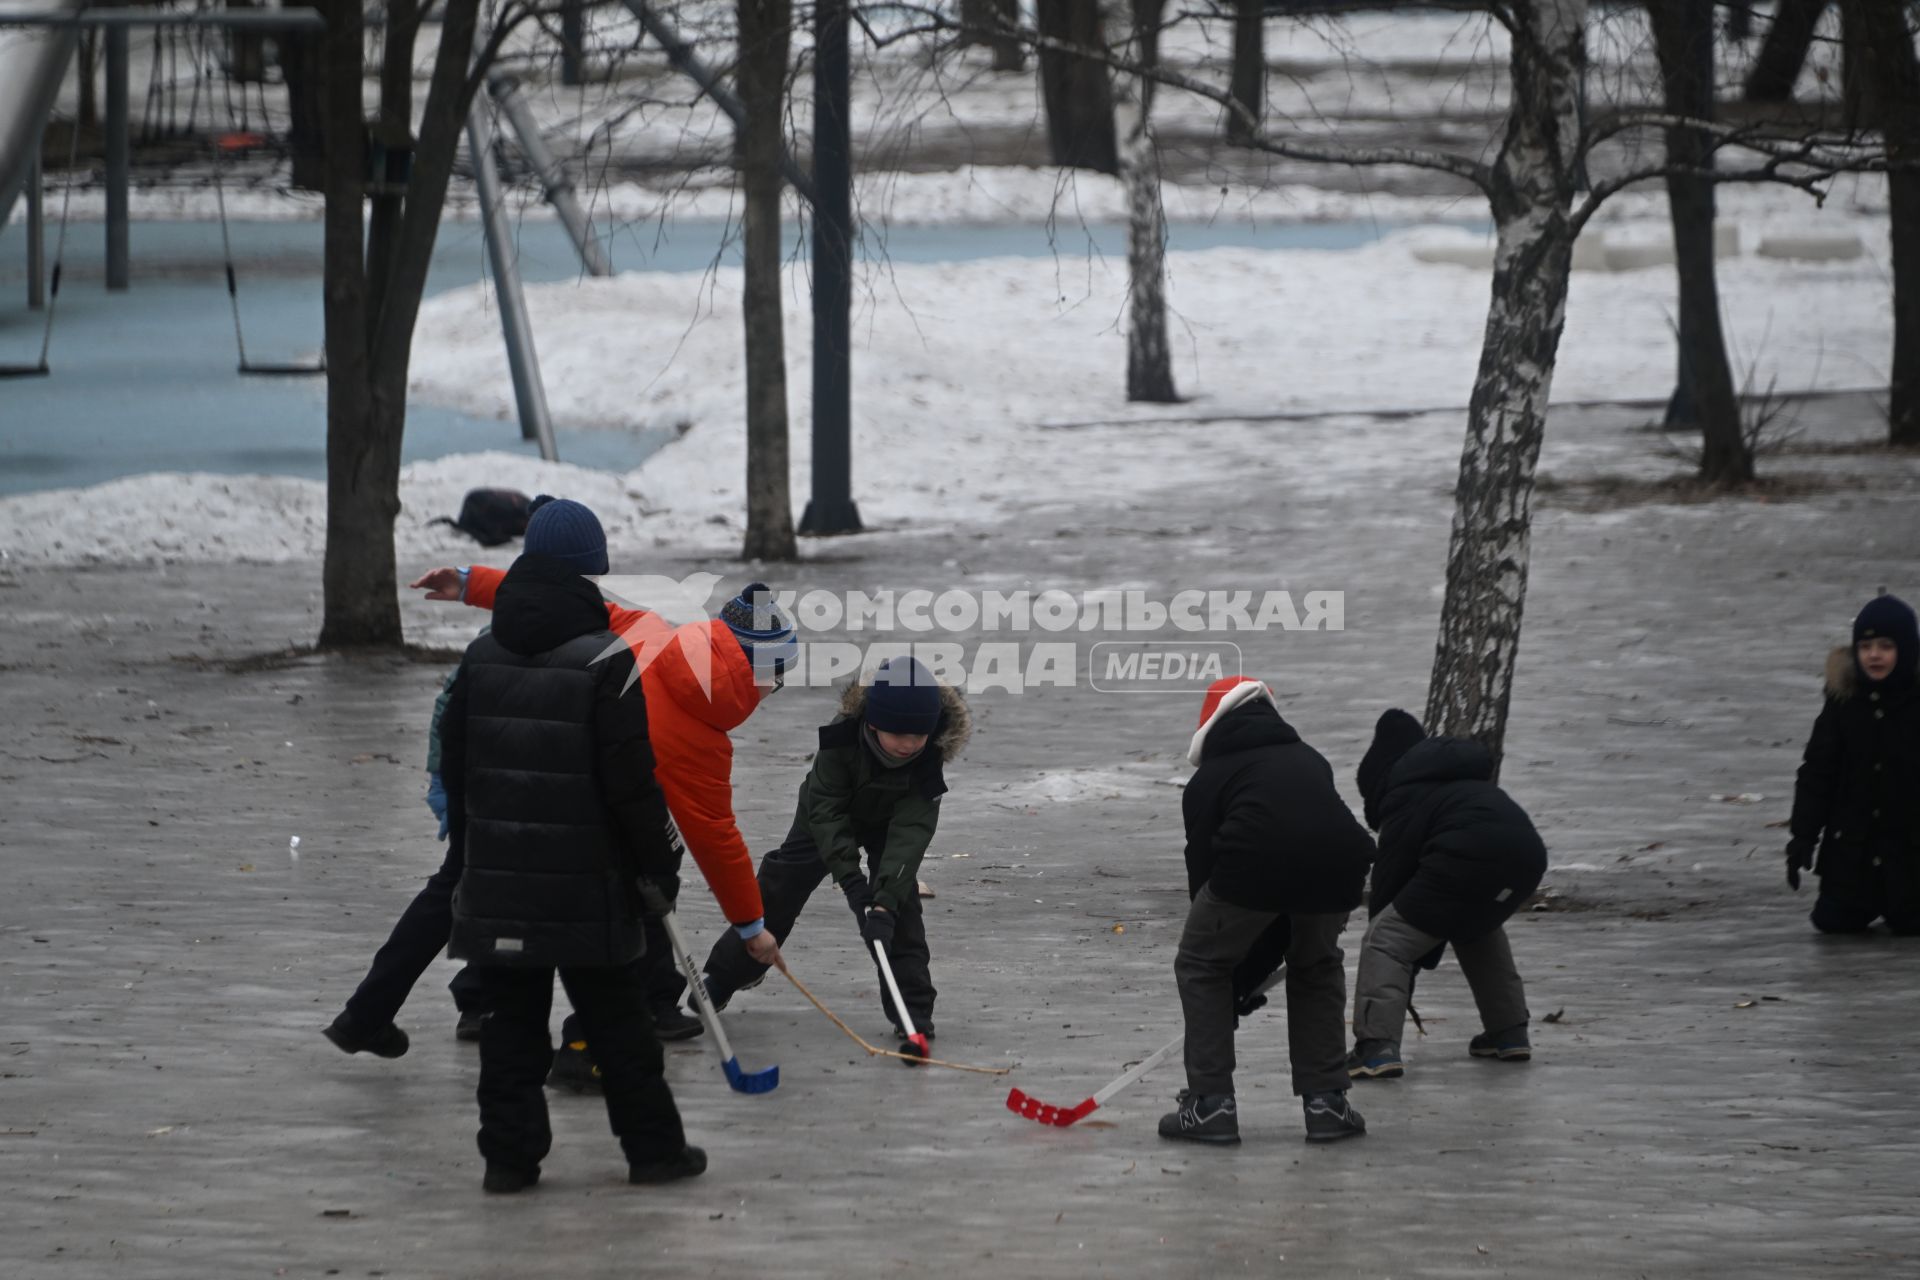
(859,896)
(1799,858)
(876,925)
(658,896)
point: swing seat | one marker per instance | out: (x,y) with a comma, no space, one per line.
(282,370)
(40,370)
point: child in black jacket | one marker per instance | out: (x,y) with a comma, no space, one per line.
(1855,799)
(1270,846)
(1457,857)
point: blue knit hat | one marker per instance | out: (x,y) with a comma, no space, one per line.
(763,631)
(1892,617)
(568,531)
(904,698)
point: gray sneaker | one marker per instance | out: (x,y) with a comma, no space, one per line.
(1330,1117)
(1208,1117)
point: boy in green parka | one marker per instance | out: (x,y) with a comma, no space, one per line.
(875,784)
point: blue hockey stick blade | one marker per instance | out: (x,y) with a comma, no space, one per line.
(763,1081)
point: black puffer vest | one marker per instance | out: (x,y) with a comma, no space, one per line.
(547,880)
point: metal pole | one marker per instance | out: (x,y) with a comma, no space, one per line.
(573,40)
(117,156)
(529,394)
(832,508)
(36,233)
(553,177)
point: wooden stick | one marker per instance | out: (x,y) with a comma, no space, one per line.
(874,1052)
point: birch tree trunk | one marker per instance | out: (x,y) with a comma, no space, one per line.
(1487,555)
(1131,25)
(765,38)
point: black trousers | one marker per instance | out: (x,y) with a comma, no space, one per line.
(420,935)
(788,877)
(516,1053)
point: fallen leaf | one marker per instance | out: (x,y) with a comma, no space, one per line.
(336,1213)
(1479,1248)
(1059,1217)
(246,866)
(1555,1016)
(1119,928)
(1744,1004)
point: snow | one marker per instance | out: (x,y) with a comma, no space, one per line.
(965,376)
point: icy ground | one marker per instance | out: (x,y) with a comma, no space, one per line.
(1720,1092)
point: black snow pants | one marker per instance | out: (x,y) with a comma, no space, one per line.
(788,877)
(516,1054)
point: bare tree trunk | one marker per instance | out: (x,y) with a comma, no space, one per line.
(1009,51)
(1894,73)
(361,600)
(1248,86)
(1076,90)
(1705,396)
(1131,27)
(765,36)
(89,74)
(1487,555)
(1784,51)
(373,291)
(300,67)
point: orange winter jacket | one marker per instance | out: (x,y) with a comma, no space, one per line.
(698,685)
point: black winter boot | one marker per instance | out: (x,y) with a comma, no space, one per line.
(674,1024)
(1208,1117)
(690,1163)
(505,1179)
(574,1070)
(388,1042)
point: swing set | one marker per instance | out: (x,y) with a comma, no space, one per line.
(237,136)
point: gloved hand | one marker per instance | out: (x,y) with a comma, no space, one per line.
(876,925)
(437,801)
(859,897)
(1799,858)
(658,896)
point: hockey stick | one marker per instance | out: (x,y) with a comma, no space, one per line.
(1024,1104)
(762,1081)
(874,1051)
(922,1050)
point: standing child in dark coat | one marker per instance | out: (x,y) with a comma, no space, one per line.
(1269,840)
(557,820)
(875,784)
(1457,857)
(1857,798)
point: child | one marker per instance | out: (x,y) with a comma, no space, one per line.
(1855,797)
(1457,857)
(875,784)
(1268,839)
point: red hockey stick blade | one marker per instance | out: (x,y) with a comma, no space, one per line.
(1022,1104)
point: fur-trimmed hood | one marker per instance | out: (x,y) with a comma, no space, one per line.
(956,721)
(1841,676)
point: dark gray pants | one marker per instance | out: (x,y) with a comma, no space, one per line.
(1218,935)
(1385,986)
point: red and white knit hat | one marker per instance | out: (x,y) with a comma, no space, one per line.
(1222,697)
